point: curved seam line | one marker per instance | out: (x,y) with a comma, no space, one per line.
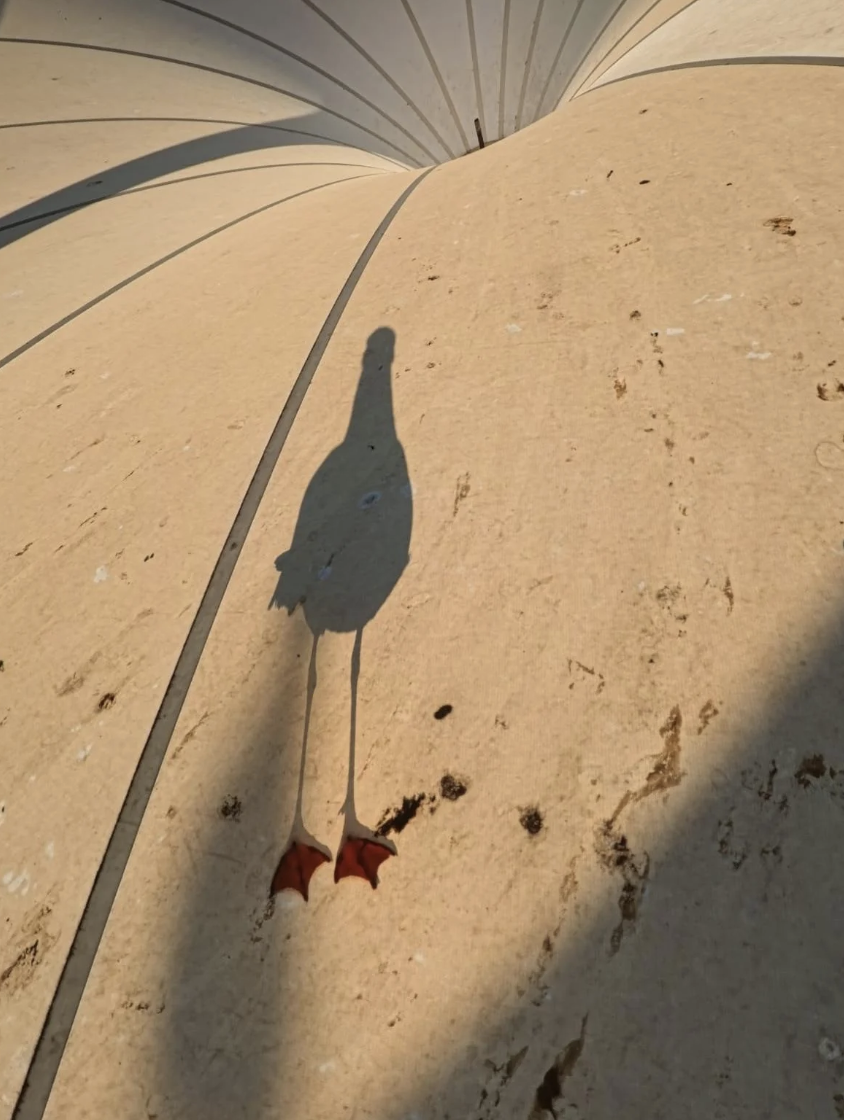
(632,46)
(175,120)
(8,358)
(591,47)
(380,70)
(529,62)
(502,83)
(473,48)
(750,60)
(171,182)
(303,62)
(213,70)
(557,58)
(432,62)
(52,1041)
(208,120)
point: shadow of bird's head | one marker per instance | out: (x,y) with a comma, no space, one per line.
(381,346)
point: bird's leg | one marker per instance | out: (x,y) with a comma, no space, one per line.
(361,851)
(303,854)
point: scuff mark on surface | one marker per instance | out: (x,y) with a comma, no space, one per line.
(551,1090)
(502,1074)
(462,489)
(706,715)
(611,845)
(729,595)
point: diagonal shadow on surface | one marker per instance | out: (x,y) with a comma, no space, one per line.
(709,985)
(105,183)
(218,969)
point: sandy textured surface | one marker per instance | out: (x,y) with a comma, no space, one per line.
(617,387)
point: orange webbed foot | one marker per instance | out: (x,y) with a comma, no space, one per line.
(297,866)
(360,855)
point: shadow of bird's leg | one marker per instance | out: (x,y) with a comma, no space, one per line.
(361,851)
(303,854)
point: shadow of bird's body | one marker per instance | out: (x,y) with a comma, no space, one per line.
(352,537)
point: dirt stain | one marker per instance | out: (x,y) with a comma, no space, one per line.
(551,1089)
(190,734)
(782,226)
(813,766)
(502,1074)
(531,820)
(34,944)
(451,788)
(735,855)
(614,854)
(825,393)
(729,595)
(611,845)
(396,820)
(231,808)
(706,715)
(462,489)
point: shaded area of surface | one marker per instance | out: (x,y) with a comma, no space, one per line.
(105,183)
(722,999)
(221,965)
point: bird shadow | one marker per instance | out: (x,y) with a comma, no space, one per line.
(349,549)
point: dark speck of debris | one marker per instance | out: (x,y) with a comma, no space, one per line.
(69,372)
(813,766)
(452,788)
(107,700)
(531,820)
(641,111)
(609,174)
(398,819)
(231,808)
(150,557)
(838,1101)
(824,390)
(443,711)
(433,276)
(2,666)
(635,314)
(729,595)
(643,182)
